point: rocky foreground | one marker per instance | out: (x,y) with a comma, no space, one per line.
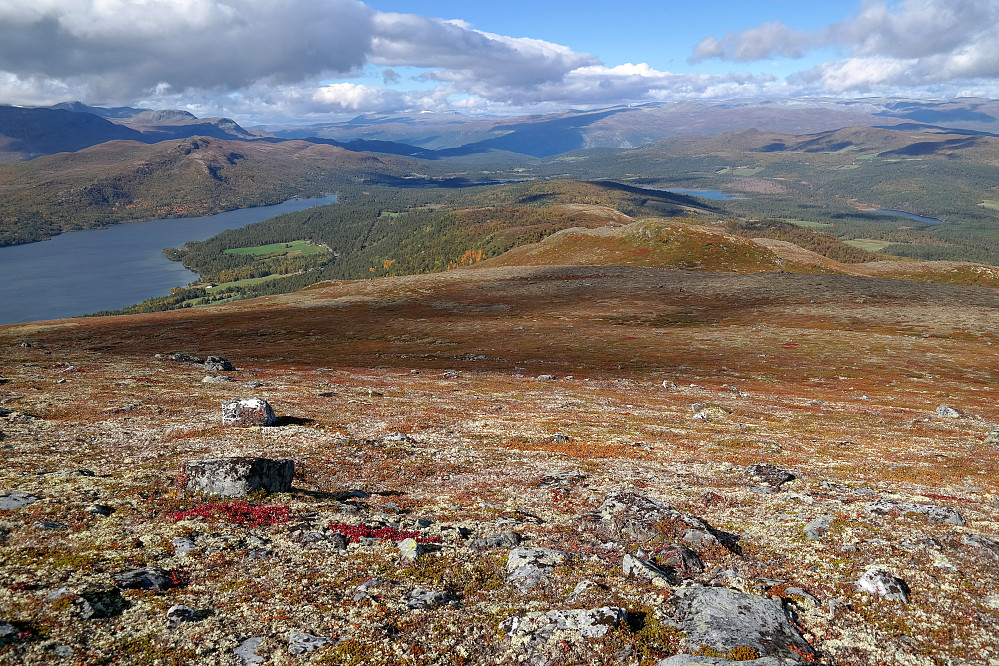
(328,497)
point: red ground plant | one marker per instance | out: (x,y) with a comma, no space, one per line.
(238,512)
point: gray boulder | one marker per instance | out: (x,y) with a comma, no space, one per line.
(100,601)
(630,516)
(636,567)
(237,477)
(246,651)
(247,412)
(17,499)
(770,475)
(818,528)
(300,642)
(151,578)
(948,412)
(421,598)
(528,567)
(218,364)
(724,619)
(538,627)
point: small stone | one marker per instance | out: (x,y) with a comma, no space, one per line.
(177,615)
(420,598)
(49,525)
(246,651)
(151,578)
(100,510)
(218,364)
(182,546)
(581,588)
(302,643)
(884,584)
(247,412)
(948,412)
(218,379)
(547,378)
(409,550)
(768,474)
(17,499)
(99,602)
(237,477)
(818,528)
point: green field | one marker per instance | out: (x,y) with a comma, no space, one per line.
(808,224)
(298,248)
(868,244)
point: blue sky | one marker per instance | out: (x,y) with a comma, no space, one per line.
(287,61)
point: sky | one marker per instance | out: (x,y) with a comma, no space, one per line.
(267,62)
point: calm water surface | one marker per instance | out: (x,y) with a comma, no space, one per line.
(82,272)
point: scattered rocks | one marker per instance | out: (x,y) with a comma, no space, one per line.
(300,642)
(528,567)
(17,499)
(884,584)
(948,412)
(818,528)
(933,512)
(218,364)
(724,619)
(247,412)
(239,476)
(768,474)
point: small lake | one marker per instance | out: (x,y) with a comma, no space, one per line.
(715,195)
(81,272)
(911,216)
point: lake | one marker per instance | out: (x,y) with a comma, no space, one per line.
(911,216)
(81,272)
(716,195)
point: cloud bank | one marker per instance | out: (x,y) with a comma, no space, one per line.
(264,60)
(908,44)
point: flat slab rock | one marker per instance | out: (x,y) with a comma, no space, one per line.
(629,515)
(934,513)
(724,619)
(247,412)
(17,499)
(693,660)
(240,476)
(539,627)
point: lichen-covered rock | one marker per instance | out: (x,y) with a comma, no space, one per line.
(239,476)
(247,412)
(933,512)
(724,619)
(636,567)
(300,642)
(948,412)
(410,550)
(218,379)
(504,539)
(177,615)
(421,598)
(694,660)
(246,651)
(768,474)
(218,364)
(681,559)
(818,528)
(884,584)
(528,567)
(17,499)
(628,515)
(538,627)
(982,544)
(151,578)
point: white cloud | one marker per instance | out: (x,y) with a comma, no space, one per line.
(349,97)
(887,46)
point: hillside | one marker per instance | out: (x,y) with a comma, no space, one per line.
(476,409)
